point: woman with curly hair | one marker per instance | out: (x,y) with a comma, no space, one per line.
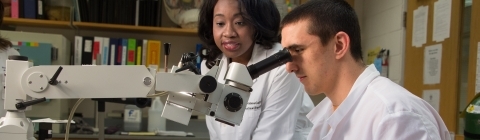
(246,32)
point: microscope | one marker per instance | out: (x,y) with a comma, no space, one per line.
(27,85)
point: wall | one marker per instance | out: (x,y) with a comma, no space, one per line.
(382,26)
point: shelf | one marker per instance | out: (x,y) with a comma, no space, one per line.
(139,29)
(99,26)
(36,22)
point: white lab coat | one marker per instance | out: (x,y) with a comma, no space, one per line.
(3,60)
(277,106)
(377,109)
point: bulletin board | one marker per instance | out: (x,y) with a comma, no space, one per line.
(448,85)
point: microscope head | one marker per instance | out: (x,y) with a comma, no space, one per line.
(226,102)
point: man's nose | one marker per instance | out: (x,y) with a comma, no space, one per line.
(291,67)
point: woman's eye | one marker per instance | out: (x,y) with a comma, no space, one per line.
(239,23)
(220,23)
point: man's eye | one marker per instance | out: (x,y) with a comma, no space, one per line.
(298,50)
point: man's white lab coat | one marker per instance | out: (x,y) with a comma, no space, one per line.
(276,109)
(377,109)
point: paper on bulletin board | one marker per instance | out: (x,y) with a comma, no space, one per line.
(432,97)
(441,20)
(432,64)
(419,34)
(372,54)
(477,77)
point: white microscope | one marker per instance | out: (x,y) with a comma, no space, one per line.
(26,85)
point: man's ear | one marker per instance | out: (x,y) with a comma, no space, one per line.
(342,44)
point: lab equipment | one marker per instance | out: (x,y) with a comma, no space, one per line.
(26,85)
(155,121)
(132,118)
(188,61)
(166,47)
(472,119)
(381,62)
(198,50)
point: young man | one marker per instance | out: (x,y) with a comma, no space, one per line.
(323,37)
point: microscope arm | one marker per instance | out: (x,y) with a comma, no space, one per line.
(88,82)
(105,81)
(123,81)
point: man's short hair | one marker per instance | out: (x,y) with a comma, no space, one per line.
(327,18)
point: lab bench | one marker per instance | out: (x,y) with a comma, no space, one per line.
(196,126)
(198,136)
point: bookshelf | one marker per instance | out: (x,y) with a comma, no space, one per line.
(99,26)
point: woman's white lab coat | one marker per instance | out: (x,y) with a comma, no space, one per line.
(3,58)
(276,109)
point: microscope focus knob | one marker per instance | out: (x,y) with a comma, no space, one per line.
(233,102)
(208,84)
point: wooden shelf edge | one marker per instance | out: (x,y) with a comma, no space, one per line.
(131,28)
(99,26)
(35,22)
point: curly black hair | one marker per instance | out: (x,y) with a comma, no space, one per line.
(262,14)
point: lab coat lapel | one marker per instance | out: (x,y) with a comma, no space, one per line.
(223,71)
(258,54)
(318,116)
(357,91)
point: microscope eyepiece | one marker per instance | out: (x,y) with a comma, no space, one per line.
(269,63)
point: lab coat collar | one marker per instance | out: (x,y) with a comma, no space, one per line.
(357,91)
(321,113)
(258,54)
